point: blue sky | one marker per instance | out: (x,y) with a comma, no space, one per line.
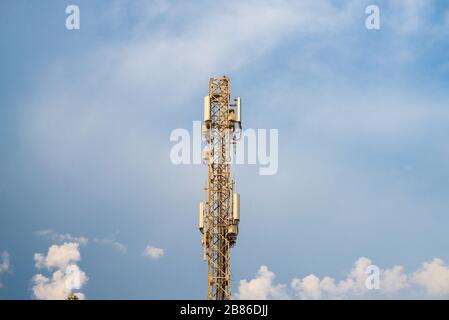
(363,119)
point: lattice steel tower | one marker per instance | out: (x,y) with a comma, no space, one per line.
(219,213)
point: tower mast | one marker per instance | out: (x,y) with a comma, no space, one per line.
(219,214)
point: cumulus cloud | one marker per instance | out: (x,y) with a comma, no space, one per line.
(433,276)
(67,276)
(60,285)
(261,287)
(5,264)
(153,252)
(311,287)
(394,279)
(58,256)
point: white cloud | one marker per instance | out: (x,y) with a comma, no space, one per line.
(311,287)
(56,287)
(153,252)
(247,31)
(60,237)
(58,256)
(394,279)
(261,287)
(434,277)
(65,280)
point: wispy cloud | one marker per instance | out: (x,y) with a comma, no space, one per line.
(111,242)
(61,237)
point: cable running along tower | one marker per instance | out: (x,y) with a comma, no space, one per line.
(219,213)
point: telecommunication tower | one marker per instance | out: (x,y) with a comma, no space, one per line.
(219,213)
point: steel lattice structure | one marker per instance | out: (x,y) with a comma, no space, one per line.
(219,214)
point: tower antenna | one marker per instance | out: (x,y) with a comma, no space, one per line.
(219,213)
